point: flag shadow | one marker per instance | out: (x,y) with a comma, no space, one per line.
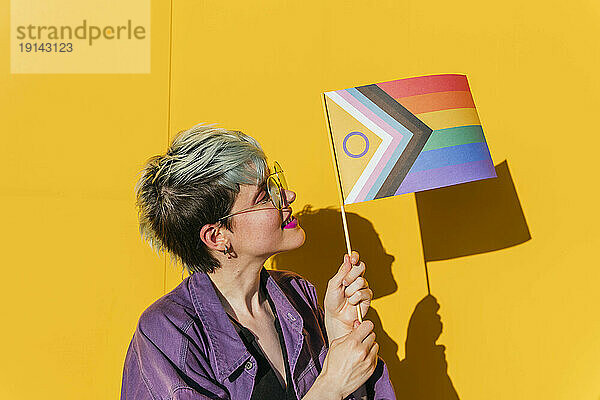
(422,374)
(471,218)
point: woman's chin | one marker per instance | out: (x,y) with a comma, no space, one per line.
(294,240)
(302,236)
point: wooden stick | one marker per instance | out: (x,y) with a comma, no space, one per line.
(341,192)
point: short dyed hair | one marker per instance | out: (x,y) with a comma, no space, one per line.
(195,183)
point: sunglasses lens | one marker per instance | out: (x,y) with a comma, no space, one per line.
(275,193)
(279,172)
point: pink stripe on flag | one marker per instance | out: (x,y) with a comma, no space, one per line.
(396,139)
(425,84)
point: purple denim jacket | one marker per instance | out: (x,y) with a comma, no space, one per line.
(186,348)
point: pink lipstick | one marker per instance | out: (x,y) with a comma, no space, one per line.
(292,224)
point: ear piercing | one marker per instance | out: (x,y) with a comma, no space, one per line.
(227,251)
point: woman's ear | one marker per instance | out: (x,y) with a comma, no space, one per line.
(213,237)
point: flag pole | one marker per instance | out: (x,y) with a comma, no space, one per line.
(340,192)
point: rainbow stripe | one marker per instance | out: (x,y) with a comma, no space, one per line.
(456,151)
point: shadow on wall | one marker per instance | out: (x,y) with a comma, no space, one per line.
(319,259)
(423,373)
(466,219)
(323,251)
(471,218)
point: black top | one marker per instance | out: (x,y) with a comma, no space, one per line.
(266,383)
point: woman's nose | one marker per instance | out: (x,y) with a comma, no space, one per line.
(290,196)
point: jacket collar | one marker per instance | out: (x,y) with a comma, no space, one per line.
(227,352)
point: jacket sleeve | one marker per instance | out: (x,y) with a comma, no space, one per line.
(154,371)
(378,386)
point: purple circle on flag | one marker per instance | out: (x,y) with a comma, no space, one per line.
(356,133)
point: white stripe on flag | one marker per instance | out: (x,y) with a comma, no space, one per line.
(385,137)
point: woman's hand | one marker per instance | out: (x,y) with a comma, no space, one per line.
(350,361)
(345,290)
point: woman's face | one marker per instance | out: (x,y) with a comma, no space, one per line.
(259,232)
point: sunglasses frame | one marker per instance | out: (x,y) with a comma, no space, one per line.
(272,177)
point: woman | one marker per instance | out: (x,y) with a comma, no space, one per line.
(232,329)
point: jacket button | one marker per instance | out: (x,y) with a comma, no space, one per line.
(290,316)
(248,365)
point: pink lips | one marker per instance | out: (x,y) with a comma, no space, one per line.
(292,224)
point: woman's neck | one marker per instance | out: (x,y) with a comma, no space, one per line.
(238,289)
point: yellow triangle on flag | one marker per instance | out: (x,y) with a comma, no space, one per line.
(354,144)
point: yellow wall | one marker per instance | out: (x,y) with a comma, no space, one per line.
(75,274)
(518,323)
